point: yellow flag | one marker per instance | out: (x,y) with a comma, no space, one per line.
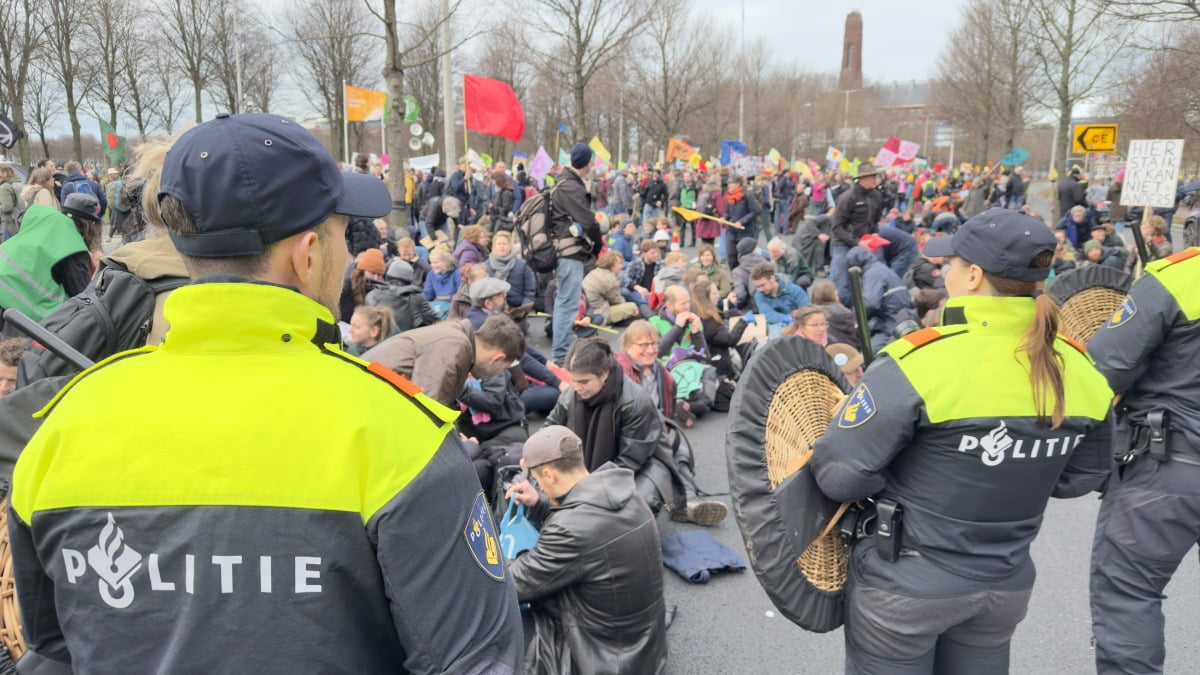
(803,169)
(598,148)
(846,166)
(364,104)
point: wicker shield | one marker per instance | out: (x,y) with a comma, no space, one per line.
(784,402)
(1087,297)
(10,616)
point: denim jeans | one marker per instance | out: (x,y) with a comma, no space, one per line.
(901,263)
(839,272)
(569,276)
(650,214)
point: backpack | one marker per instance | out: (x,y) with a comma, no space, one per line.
(706,204)
(84,187)
(111,315)
(928,190)
(19,206)
(537,234)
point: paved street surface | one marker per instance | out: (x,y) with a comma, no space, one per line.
(729,625)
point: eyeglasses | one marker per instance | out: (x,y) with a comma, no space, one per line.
(817,325)
(645,345)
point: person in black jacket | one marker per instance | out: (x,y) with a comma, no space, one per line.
(407,301)
(578,239)
(1071,192)
(717,336)
(857,215)
(501,208)
(594,579)
(654,197)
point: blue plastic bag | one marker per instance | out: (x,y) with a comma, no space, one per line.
(517,534)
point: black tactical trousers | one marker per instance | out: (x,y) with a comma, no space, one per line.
(1149,520)
(910,616)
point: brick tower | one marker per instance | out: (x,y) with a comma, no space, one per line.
(851,77)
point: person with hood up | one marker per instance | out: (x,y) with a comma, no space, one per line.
(76,181)
(740,208)
(671,274)
(43,264)
(742,295)
(409,307)
(886,298)
(594,579)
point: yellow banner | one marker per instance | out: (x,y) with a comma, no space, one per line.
(364,104)
(598,148)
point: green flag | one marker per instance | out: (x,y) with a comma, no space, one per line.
(114,145)
(412,111)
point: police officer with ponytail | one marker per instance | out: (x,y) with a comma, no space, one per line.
(1150,516)
(961,433)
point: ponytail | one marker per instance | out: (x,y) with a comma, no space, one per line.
(1045,362)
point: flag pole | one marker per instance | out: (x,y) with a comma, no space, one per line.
(466,143)
(345,125)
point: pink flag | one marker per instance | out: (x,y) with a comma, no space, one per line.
(892,144)
(540,166)
(885,158)
(908,151)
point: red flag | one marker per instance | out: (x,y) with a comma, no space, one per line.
(893,144)
(491,107)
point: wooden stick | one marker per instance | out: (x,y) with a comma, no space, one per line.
(579,323)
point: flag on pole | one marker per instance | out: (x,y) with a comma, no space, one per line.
(412,110)
(475,161)
(892,144)
(491,107)
(832,154)
(487,160)
(907,151)
(564,160)
(562,128)
(729,148)
(540,166)
(885,158)
(9,133)
(364,104)
(114,145)
(775,157)
(598,148)
(678,148)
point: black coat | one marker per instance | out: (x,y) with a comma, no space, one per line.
(594,583)
(408,305)
(858,212)
(1070,193)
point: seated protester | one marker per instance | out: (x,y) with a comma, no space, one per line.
(812,240)
(537,386)
(362,235)
(1155,234)
(849,361)
(776,298)
(742,295)
(671,274)
(387,243)
(926,273)
(886,298)
(788,261)
(504,265)
(364,276)
(716,271)
(438,358)
(1075,223)
(10,356)
(368,327)
(677,326)
(719,339)
(907,222)
(619,425)
(639,274)
(1066,258)
(843,326)
(472,247)
(810,323)
(900,250)
(409,307)
(441,215)
(408,251)
(602,290)
(442,282)
(84,210)
(639,361)
(928,303)
(460,304)
(1105,248)
(693,276)
(594,579)
(492,418)
(626,232)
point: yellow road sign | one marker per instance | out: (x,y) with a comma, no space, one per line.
(1095,138)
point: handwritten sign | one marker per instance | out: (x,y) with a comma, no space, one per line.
(1151,173)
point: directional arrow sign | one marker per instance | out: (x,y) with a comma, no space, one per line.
(1095,138)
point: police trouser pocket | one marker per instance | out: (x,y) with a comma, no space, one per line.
(1149,515)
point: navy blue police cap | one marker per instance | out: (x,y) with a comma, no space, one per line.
(1001,242)
(253,179)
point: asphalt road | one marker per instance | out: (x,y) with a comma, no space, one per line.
(729,626)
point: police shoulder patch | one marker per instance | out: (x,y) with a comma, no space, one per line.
(1124,313)
(858,409)
(482,540)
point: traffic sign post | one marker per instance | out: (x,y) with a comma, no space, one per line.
(1094,138)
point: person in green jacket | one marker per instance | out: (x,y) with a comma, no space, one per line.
(43,264)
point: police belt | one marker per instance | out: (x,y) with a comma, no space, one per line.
(1157,439)
(882,519)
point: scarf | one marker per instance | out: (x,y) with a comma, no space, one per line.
(502,266)
(595,420)
(735,194)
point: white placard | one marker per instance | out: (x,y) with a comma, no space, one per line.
(1151,173)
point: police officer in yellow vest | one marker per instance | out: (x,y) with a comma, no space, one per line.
(261,502)
(962,433)
(1150,516)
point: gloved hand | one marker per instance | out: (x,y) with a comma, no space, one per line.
(749,318)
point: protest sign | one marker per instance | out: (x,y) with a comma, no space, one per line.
(1151,173)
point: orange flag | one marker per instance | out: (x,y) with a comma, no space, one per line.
(679,149)
(364,104)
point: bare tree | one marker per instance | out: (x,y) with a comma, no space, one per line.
(168,100)
(136,76)
(187,26)
(676,75)
(43,97)
(240,42)
(1160,11)
(1074,43)
(332,39)
(576,37)
(68,45)
(21,30)
(112,30)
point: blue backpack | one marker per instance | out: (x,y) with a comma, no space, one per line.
(84,187)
